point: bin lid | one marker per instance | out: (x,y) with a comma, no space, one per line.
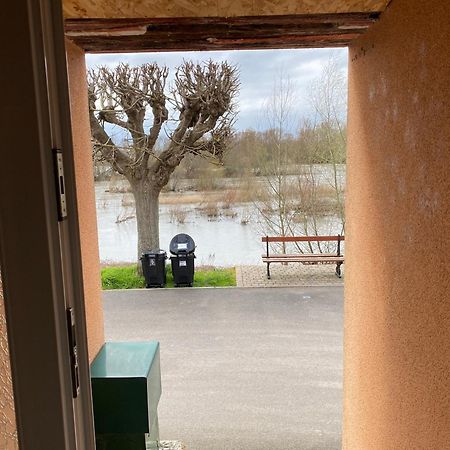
(153,254)
(182,243)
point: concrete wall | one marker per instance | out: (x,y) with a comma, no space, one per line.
(397,312)
(86,198)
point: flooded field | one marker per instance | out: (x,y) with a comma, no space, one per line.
(222,241)
(224,237)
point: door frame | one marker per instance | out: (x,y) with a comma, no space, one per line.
(40,255)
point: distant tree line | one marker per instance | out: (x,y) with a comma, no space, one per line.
(312,144)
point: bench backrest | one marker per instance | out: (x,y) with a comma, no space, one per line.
(337,238)
(302,238)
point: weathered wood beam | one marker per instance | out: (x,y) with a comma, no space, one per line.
(218,33)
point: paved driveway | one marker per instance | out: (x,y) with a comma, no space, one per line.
(242,368)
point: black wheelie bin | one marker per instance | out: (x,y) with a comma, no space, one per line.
(154,268)
(182,247)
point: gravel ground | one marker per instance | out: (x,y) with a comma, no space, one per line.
(288,275)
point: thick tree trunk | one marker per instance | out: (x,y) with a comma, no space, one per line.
(147,216)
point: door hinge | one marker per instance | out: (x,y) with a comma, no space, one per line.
(60,184)
(71,328)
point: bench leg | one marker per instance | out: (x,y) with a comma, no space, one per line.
(338,270)
(268,271)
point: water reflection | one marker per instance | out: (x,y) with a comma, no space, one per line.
(222,242)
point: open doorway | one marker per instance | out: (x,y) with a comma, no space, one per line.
(282,172)
(253,351)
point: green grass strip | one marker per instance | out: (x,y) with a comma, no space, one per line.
(126,277)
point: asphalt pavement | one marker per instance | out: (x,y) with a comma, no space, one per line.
(242,368)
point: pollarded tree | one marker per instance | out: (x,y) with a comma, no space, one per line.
(203,101)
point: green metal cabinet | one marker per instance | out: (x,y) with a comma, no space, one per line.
(126,388)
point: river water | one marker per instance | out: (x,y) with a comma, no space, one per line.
(223,241)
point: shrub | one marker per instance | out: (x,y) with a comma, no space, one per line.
(177,215)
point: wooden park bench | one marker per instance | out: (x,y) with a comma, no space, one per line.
(304,258)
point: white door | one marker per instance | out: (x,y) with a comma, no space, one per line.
(39,240)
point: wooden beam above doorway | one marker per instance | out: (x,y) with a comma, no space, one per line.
(218,33)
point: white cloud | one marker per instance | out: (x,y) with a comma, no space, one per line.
(258,71)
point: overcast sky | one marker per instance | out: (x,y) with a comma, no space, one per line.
(259,69)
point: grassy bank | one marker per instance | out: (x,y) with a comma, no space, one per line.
(126,277)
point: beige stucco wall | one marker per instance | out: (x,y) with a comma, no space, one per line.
(397,307)
(86,197)
(8,431)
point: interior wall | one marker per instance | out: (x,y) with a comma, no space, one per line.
(86,197)
(397,308)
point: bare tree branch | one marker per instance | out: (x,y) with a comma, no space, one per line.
(118,159)
(124,94)
(203,97)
